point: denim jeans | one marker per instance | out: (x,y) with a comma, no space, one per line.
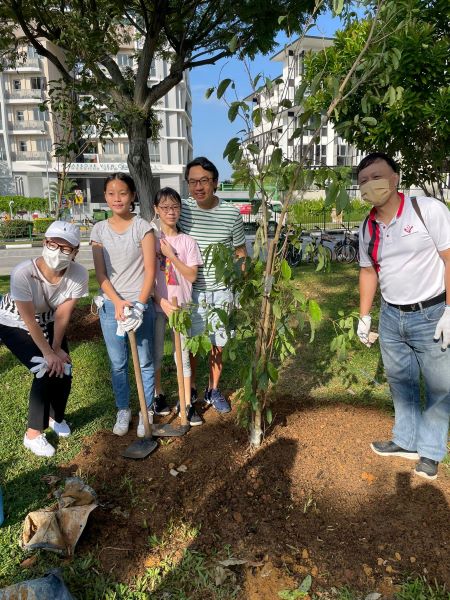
(408,349)
(118,353)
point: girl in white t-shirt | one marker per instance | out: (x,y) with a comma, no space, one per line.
(177,260)
(123,247)
(33,319)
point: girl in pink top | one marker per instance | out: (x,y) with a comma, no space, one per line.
(177,260)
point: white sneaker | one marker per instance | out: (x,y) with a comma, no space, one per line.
(122,422)
(61,429)
(39,445)
(140,430)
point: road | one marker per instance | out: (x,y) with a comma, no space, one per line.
(10,257)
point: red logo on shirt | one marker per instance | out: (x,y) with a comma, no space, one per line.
(408,228)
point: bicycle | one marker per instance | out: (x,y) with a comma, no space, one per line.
(316,249)
(347,250)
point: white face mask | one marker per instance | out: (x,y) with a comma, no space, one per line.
(55,259)
(376,191)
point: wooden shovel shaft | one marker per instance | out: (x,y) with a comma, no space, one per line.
(180,376)
(139,384)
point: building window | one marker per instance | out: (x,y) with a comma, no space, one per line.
(40,115)
(32,52)
(109,148)
(43,145)
(36,83)
(125,147)
(153,149)
(17,84)
(23,146)
(20,116)
(153,69)
(124,60)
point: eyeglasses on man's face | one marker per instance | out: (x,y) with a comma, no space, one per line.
(51,245)
(203,181)
(167,208)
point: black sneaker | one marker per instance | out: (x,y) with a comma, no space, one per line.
(160,406)
(194,396)
(391,449)
(427,468)
(193,417)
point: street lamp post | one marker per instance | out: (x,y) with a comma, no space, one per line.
(11,204)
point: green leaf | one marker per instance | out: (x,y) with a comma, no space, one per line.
(338,6)
(251,189)
(276,310)
(392,96)
(305,585)
(276,158)
(300,92)
(233,111)
(231,148)
(223,87)
(286,103)
(272,371)
(257,116)
(314,311)
(209,91)
(254,149)
(315,83)
(369,120)
(233,43)
(281,18)
(286,270)
(269,416)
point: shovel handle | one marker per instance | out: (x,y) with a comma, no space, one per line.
(139,384)
(180,376)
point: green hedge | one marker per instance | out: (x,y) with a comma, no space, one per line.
(41,225)
(18,228)
(23,203)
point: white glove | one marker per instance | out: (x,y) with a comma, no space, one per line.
(366,336)
(134,317)
(443,329)
(41,366)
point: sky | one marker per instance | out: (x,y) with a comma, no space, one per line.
(211,128)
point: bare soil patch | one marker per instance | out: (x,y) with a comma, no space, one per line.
(314,499)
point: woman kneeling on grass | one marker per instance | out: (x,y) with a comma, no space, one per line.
(124,257)
(178,261)
(33,319)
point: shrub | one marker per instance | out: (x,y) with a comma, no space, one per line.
(23,203)
(41,225)
(17,228)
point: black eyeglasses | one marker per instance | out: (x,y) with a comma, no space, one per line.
(202,181)
(51,245)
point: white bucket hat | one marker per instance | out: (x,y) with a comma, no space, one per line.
(65,231)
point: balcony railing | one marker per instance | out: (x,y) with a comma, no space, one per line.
(28,124)
(25,94)
(26,156)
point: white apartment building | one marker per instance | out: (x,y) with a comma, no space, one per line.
(27,135)
(330,149)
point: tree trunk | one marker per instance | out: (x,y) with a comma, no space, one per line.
(256,432)
(139,165)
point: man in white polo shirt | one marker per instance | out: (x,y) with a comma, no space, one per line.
(405,246)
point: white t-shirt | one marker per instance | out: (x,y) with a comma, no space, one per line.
(27,284)
(411,269)
(122,253)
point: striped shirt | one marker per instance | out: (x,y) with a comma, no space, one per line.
(219,225)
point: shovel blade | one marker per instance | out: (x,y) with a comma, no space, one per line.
(169,430)
(140,448)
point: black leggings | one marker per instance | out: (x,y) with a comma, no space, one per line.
(48,395)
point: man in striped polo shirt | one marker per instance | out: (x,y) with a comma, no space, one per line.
(405,246)
(209,220)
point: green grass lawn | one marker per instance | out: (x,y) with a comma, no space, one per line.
(358,380)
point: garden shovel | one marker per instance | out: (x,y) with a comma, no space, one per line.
(145,446)
(169,430)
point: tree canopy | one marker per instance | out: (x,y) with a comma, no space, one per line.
(82,40)
(401,99)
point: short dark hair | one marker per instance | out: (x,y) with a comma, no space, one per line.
(167,192)
(127,179)
(373,157)
(205,163)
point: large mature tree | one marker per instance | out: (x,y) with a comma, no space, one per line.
(401,103)
(82,37)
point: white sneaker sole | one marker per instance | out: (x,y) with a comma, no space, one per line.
(407,455)
(121,432)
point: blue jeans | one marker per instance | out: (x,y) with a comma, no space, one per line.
(118,353)
(408,349)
